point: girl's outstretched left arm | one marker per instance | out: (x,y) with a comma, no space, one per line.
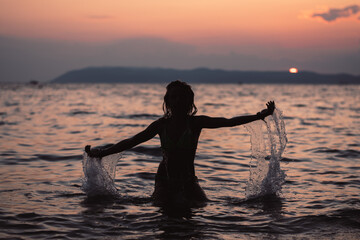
(211,122)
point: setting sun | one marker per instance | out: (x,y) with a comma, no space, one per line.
(293,70)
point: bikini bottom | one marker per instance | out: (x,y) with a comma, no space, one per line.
(178,192)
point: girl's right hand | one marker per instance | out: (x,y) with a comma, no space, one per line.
(93,152)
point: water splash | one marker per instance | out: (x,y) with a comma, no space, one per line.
(267,146)
(99,175)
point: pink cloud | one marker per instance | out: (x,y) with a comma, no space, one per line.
(335,13)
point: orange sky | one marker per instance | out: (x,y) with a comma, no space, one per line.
(282,22)
(45,38)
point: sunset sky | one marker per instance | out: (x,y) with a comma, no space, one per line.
(46,38)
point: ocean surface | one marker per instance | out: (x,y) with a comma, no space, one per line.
(44,128)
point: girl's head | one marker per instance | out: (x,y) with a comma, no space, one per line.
(179,99)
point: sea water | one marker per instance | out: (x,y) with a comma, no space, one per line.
(266,177)
(99,175)
(44,192)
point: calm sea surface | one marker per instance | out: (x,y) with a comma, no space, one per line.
(43,130)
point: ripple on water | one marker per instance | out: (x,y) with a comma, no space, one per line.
(80,112)
(134,116)
(53,157)
(8,123)
(347,153)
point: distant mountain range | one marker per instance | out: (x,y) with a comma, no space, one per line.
(198,75)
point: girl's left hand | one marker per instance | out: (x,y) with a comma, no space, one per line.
(270,107)
(266,112)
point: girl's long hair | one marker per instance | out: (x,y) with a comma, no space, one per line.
(188,93)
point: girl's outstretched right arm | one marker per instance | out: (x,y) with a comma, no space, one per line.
(141,137)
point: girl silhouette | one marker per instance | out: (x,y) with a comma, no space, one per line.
(179,130)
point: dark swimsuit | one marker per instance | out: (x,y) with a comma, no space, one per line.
(175,180)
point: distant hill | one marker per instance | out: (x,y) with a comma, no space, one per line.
(198,75)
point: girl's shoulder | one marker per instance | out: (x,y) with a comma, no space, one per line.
(200,118)
(160,122)
(197,121)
